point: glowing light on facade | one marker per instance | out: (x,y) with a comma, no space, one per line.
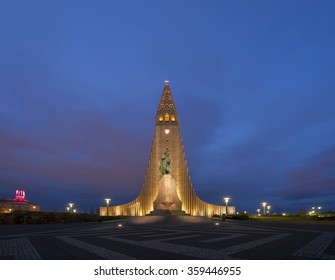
(20,195)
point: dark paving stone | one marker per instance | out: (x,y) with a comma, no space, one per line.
(137,252)
(51,248)
(281,249)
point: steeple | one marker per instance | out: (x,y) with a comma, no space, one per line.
(166,112)
(167,141)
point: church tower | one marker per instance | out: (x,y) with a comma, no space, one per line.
(167,141)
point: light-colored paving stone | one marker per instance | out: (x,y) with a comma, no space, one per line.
(226,237)
(100,251)
(252,244)
(192,251)
(315,249)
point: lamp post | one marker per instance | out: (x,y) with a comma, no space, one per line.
(107,203)
(264,204)
(71,207)
(258,210)
(226,200)
(269,207)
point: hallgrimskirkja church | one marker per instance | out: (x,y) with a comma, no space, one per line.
(167,188)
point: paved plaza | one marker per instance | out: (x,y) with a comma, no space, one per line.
(246,240)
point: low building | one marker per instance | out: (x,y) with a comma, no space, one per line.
(19,203)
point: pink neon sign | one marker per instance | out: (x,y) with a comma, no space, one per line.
(20,195)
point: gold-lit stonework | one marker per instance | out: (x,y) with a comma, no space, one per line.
(167,120)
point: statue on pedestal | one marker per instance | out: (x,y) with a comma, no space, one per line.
(165,164)
(167,197)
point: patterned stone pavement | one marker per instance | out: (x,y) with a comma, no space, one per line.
(228,240)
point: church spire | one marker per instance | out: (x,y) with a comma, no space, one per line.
(166,112)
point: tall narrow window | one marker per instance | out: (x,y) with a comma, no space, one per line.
(160,118)
(173,118)
(167,117)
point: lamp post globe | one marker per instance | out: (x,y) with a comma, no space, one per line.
(226,200)
(71,207)
(264,204)
(107,204)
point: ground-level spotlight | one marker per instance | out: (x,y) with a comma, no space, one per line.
(216,224)
(119,225)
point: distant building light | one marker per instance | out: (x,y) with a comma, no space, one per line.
(20,195)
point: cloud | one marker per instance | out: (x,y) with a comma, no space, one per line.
(315,179)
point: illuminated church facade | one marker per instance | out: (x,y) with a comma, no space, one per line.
(167,191)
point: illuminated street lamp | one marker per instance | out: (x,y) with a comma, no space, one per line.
(71,207)
(269,207)
(74,210)
(226,200)
(258,210)
(264,204)
(107,203)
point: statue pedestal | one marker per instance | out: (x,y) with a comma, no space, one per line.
(167,213)
(167,198)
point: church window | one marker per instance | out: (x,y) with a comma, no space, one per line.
(160,118)
(173,118)
(167,117)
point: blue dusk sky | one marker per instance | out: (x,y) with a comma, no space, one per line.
(253,83)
